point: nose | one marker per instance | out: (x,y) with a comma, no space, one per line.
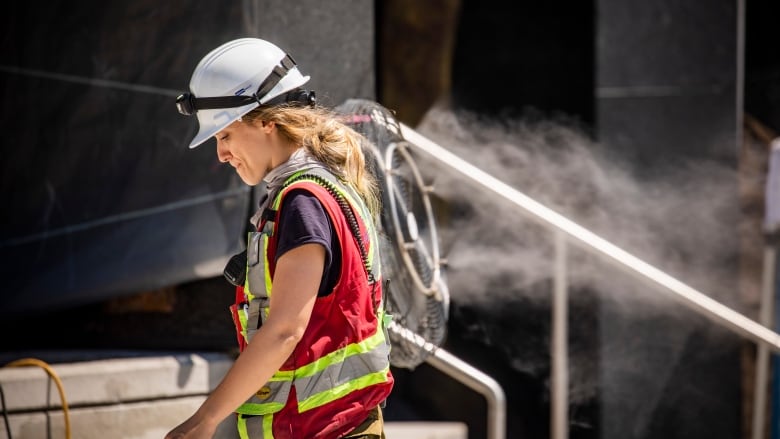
(223,154)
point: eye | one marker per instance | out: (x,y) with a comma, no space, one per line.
(223,137)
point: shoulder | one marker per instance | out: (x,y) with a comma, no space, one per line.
(303,220)
(301,202)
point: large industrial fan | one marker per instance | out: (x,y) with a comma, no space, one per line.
(415,290)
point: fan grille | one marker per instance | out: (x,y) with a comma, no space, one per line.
(415,293)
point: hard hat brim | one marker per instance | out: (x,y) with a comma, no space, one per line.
(209,128)
(210,122)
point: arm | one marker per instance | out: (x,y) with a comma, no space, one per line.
(295,284)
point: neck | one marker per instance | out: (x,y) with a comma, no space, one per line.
(282,153)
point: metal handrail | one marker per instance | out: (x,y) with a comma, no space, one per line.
(568,231)
(466,374)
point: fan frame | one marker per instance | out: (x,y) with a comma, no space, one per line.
(433,258)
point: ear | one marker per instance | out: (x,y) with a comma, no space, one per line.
(267,126)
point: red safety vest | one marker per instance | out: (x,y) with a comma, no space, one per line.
(340,369)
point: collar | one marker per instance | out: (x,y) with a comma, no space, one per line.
(300,160)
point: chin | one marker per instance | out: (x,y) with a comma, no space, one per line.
(249,179)
(251,182)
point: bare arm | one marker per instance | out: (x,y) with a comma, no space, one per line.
(295,284)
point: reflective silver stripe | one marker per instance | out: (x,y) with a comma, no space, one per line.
(271,392)
(256,285)
(253,317)
(373,240)
(255,261)
(351,368)
(255,427)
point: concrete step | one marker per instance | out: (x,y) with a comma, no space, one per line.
(139,398)
(153,419)
(114,380)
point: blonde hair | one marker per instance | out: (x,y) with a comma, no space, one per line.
(328,140)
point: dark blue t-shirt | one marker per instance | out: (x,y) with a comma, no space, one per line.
(304,220)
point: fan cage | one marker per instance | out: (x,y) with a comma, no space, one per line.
(415,292)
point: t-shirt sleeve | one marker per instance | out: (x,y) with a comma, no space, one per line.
(304,220)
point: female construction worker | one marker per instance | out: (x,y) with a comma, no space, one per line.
(309,317)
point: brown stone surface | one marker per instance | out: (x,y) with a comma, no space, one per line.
(415,63)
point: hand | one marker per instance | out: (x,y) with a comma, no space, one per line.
(193,428)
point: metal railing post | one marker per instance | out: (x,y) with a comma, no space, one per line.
(766,311)
(559,387)
(465,374)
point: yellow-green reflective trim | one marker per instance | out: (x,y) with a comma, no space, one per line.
(268,432)
(278,198)
(362,212)
(247,291)
(242,321)
(365,215)
(267,274)
(268,426)
(255,409)
(337,356)
(339,391)
(241,426)
(283,375)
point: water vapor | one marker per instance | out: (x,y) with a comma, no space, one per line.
(682,220)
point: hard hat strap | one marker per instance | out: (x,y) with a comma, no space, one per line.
(188,104)
(273,78)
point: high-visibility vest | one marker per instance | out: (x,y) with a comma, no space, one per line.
(340,369)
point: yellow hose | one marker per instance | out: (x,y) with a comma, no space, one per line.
(53,375)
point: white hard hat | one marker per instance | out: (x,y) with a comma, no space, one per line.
(236,78)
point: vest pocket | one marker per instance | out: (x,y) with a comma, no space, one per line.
(270,398)
(255,263)
(257,284)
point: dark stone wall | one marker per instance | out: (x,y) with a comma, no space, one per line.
(102,196)
(537,57)
(666,99)
(415,59)
(762,63)
(666,80)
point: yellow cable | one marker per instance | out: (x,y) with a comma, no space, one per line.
(53,375)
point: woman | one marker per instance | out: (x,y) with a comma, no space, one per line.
(309,316)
